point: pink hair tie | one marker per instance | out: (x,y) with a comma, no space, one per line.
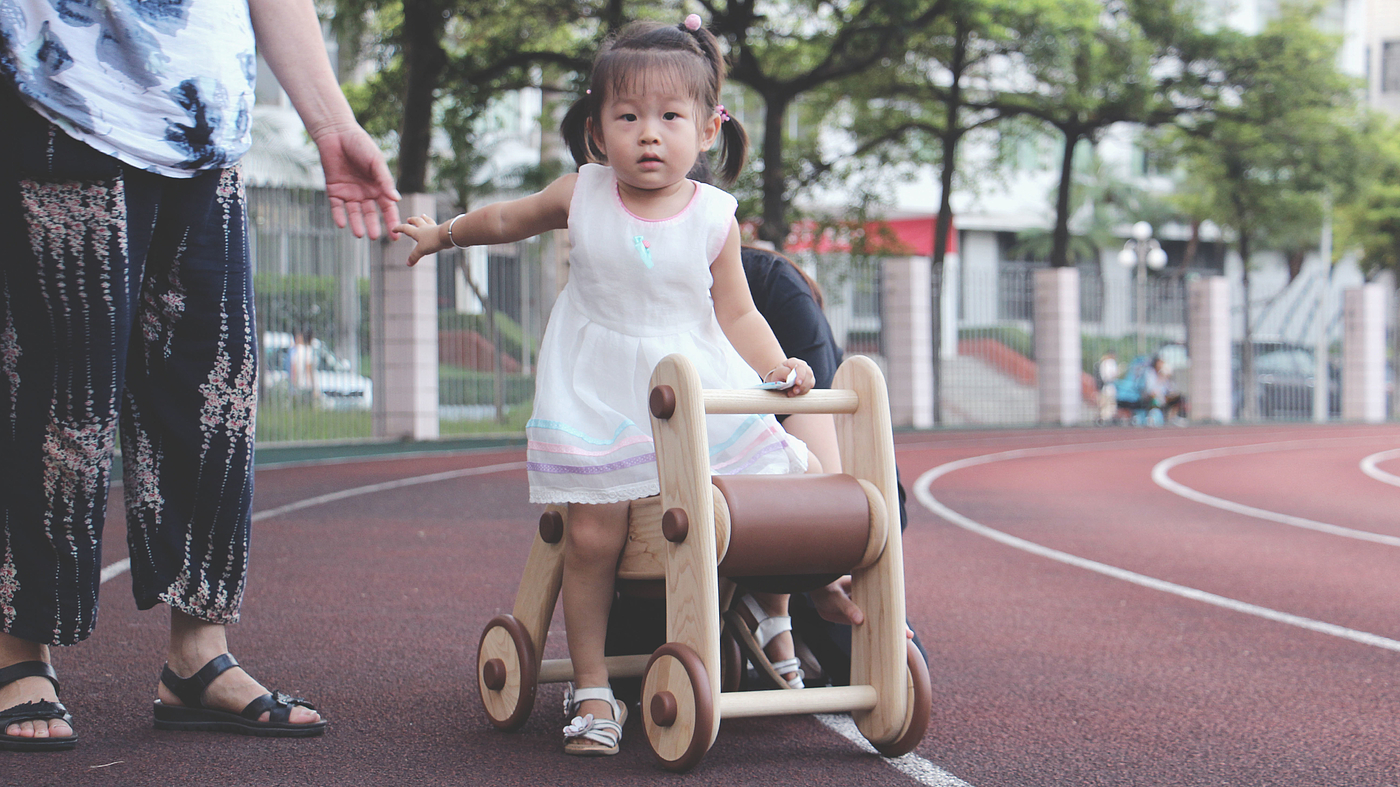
(692,22)
(723,115)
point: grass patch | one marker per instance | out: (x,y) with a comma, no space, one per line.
(516,416)
(287,424)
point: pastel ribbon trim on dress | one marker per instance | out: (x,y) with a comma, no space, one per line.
(563,427)
(542,467)
(561,448)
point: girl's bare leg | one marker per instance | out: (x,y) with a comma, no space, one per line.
(593,543)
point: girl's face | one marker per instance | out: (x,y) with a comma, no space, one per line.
(652,138)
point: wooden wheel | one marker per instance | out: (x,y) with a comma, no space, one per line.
(507,672)
(677,709)
(917,711)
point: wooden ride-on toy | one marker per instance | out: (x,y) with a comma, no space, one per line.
(701,528)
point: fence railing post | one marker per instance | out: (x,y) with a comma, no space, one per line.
(908,325)
(403,337)
(1058,351)
(1363,354)
(1211,396)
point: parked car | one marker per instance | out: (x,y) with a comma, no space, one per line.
(1286,381)
(333,383)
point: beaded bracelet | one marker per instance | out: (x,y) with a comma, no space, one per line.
(451,239)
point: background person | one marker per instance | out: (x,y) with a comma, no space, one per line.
(125,294)
(1107,372)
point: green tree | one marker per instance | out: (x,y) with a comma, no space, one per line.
(1095,64)
(785,50)
(1281,137)
(1369,222)
(440,63)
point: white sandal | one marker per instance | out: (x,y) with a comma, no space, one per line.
(754,639)
(587,736)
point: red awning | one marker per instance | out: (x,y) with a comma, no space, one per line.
(910,236)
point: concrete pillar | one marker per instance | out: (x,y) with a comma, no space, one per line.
(908,325)
(1210,398)
(1058,352)
(403,335)
(1363,353)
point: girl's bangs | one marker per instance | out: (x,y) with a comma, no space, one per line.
(635,72)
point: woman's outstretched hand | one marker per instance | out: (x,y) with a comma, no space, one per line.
(426,235)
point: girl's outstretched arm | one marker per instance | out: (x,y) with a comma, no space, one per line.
(499,222)
(744,326)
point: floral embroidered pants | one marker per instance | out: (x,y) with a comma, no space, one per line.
(124,296)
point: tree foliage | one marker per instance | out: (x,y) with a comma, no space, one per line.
(1282,135)
(1369,221)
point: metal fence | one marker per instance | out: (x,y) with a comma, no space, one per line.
(492,304)
(311,285)
(312,290)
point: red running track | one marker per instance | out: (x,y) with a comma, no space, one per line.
(1045,672)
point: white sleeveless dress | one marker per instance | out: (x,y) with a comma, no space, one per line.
(638,291)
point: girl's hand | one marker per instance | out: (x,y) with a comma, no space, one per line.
(427,235)
(805,378)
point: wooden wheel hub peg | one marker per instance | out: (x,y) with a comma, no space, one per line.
(506,672)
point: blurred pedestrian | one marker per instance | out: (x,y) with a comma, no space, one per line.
(1107,372)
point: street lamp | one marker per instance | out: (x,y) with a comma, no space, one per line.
(1145,252)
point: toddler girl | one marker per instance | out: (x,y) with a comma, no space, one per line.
(654,269)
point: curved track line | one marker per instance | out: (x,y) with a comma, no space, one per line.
(116,569)
(911,765)
(925,497)
(1368,466)
(1160,476)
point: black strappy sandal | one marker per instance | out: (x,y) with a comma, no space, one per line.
(193,716)
(42,710)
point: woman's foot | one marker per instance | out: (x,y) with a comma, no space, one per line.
(30,689)
(194,643)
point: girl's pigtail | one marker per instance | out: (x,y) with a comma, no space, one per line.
(734,142)
(574,130)
(734,147)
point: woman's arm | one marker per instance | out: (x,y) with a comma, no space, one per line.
(499,222)
(357,181)
(744,326)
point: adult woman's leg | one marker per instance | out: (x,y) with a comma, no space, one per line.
(64,318)
(187,427)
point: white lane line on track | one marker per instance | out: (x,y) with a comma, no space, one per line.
(1368,466)
(925,497)
(911,765)
(1160,475)
(117,568)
